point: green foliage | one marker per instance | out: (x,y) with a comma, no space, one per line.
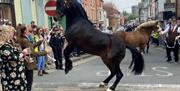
(129,16)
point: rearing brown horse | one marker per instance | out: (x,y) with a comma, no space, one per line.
(81,33)
(139,37)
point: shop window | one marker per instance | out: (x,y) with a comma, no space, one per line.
(6,1)
(5,12)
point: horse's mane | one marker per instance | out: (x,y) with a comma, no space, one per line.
(76,6)
(79,7)
(147,25)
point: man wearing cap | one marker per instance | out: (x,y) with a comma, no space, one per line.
(172,32)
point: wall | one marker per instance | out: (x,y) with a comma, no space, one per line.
(161,5)
(18,12)
(46,18)
(26,11)
(40,12)
(178,9)
(33,10)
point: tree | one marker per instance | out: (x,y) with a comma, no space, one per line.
(125,13)
(129,16)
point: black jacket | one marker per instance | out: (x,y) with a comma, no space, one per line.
(56,41)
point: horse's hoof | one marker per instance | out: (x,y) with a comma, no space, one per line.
(70,68)
(109,89)
(102,85)
(67,71)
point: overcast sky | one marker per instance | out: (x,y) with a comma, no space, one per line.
(124,5)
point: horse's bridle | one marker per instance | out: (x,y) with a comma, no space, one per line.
(58,16)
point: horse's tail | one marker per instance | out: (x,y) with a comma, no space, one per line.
(137,60)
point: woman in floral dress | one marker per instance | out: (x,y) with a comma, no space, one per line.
(12,68)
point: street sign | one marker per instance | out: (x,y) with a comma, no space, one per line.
(50,8)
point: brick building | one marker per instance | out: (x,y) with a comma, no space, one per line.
(113,14)
(93,8)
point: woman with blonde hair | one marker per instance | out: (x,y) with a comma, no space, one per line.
(12,67)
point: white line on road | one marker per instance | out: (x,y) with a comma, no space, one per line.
(86,84)
(134,85)
(165,73)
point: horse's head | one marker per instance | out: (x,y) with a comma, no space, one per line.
(150,26)
(71,8)
(62,8)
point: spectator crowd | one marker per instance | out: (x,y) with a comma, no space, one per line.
(26,48)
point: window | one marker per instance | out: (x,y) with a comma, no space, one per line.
(5,12)
(173,1)
(6,1)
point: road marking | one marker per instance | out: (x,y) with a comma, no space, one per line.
(102,73)
(166,73)
(133,85)
(86,84)
(161,73)
(81,61)
(144,75)
(107,73)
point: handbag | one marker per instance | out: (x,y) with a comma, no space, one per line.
(29,63)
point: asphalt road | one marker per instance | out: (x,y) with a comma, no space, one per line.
(88,73)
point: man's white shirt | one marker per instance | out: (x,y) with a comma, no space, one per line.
(167,29)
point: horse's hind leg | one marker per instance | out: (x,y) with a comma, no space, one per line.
(68,63)
(119,76)
(106,81)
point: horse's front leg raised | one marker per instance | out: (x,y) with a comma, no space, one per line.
(68,63)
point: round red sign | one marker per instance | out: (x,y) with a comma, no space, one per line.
(50,8)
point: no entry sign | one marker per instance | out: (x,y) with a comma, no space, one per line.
(50,8)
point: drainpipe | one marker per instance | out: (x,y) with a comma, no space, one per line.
(13,13)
